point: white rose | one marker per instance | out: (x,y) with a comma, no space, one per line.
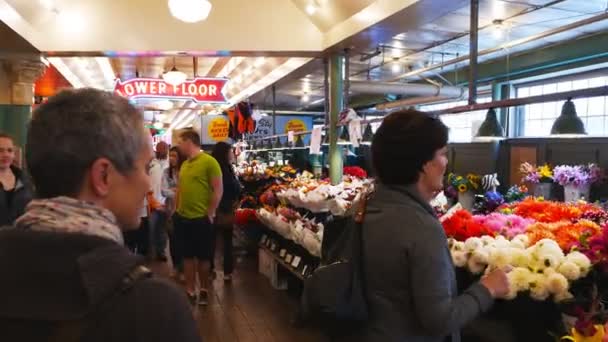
(549,271)
(518,244)
(519,278)
(557,283)
(499,257)
(538,288)
(458,246)
(569,270)
(580,260)
(520,258)
(523,238)
(487,240)
(459,258)
(549,261)
(473,243)
(548,246)
(501,242)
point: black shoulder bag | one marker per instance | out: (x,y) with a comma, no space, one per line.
(334,296)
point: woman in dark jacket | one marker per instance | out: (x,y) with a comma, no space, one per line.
(15,191)
(223,153)
(169,190)
(409,276)
(74,279)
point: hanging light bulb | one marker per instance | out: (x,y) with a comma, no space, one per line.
(311,8)
(305,97)
(396,67)
(190,11)
(498,28)
(174,77)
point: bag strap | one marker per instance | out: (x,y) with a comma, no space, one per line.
(73,331)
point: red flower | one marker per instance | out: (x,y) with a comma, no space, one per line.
(461,226)
(355,171)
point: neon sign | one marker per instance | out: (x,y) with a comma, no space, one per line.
(201,90)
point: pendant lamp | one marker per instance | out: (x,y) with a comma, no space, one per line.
(568,122)
(276,145)
(299,142)
(190,11)
(174,77)
(490,127)
(368,135)
(344,138)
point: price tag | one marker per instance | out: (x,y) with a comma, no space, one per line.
(289,258)
(282,253)
(280,162)
(304,270)
(290,136)
(296,261)
(271,164)
(286,162)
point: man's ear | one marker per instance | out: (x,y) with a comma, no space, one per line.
(100,174)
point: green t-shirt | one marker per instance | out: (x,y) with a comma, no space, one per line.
(195,185)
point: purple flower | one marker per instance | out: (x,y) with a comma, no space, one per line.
(576,175)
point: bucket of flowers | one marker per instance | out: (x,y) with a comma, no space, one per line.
(577,180)
(541,177)
(466,187)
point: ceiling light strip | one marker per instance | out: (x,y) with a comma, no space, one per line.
(107,70)
(278,73)
(66,72)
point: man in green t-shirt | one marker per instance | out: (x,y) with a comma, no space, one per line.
(199,192)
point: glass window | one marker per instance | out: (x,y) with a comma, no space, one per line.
(463,126)
(537,119)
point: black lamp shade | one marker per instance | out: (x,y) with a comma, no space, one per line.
(490,127)
(368,135)
(276,145)
(299,142)
(568,122)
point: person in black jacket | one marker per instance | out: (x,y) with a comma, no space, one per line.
(224,154)
(74,279)
(15,191)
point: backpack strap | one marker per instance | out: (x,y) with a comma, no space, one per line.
(73,331)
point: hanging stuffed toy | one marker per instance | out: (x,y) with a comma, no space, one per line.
(246,124)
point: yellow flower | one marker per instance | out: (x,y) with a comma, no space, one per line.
(576,337)
(545,171)
(462,188)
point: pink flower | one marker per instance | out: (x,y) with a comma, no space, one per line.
(506,225)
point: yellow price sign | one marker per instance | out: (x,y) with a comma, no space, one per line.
(218,129)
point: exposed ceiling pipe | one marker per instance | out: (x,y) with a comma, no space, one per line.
(411,102)
(573,94)
(412,89)
(507,45)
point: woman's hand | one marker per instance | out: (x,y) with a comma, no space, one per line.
(497,282)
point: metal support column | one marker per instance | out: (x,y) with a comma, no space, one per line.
(326,89)
(474,28)
(346,78)
(274,110)
(336,101)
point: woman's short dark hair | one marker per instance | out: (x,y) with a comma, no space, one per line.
(405,141)
(72,130)
(221,152)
